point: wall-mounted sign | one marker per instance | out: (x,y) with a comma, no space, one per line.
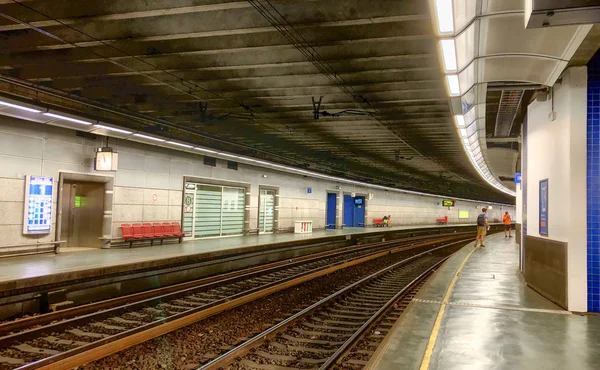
(309,190)
(154,197)
(518,178)
(188,199)
(463,214)
(447,203)
(544,207)
(38,205)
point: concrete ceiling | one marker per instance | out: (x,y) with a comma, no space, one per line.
(255,66)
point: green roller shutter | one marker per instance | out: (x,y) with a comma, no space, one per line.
(266,211)
(217,211)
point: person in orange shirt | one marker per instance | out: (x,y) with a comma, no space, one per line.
(506,220)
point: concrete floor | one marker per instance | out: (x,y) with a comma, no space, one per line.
(492,321)
(15,268)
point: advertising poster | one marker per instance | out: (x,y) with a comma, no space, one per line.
(544,207)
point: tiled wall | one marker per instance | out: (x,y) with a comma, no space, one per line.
(148,185)
(593,183)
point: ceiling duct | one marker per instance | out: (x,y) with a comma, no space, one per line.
(509,105)
(548,13)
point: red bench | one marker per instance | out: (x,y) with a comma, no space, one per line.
(151,232)
(442,221)
(378,222)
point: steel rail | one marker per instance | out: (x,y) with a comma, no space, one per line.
(117,342)
(256,341)
(19,325)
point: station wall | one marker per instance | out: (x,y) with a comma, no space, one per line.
(556,151)
(148,185)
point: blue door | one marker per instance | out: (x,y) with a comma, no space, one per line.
(331,210)
(359,212)
(348,211)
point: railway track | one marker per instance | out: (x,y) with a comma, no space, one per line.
(81,339)
(342,330)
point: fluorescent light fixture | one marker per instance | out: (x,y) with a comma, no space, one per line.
(445,16)
(463,132)
(453,85)
(20,107)
(460,120)
(206,150)
(149,137)
(228,155)
(180,144)
(58,116)
(113,129)
(449,55)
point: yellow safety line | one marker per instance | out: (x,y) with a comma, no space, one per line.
(438,320)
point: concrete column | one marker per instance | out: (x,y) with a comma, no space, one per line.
(556,139)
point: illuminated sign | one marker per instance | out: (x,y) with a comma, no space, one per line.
(463,214)
(447,203)
(38,205)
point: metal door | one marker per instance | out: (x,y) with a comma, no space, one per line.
(348,211)
(331,210)
(266,210)
(82,214)
(359,213)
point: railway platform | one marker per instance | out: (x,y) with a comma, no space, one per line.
(476,312)
(85,276)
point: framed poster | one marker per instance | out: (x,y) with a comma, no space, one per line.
(544,207)
(38,205)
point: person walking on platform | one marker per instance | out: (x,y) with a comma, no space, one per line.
(389,221)
(385,221)
(482,227)
(506,220)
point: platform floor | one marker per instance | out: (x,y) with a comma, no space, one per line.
(491,320)
(16,268)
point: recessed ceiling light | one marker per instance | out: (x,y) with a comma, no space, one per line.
(445,16)
(449,55)
(453,85)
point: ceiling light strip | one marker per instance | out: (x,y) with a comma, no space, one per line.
(113,129)
(64,118)
(17,106)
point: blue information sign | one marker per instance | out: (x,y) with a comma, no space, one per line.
(38,204)
(517,178)
(544,207)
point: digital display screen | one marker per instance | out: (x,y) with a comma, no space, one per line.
(358,201)
(38,205)
(447,203)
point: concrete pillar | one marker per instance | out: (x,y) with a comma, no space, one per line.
(556,263)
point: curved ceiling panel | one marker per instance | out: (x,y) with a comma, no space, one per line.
(489,43)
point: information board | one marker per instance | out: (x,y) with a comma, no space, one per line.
(38,205)
(463,214)
(544,207)
(447,203)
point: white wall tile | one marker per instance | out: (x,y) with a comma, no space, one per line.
(12,189)
(125,195)
(22,146)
